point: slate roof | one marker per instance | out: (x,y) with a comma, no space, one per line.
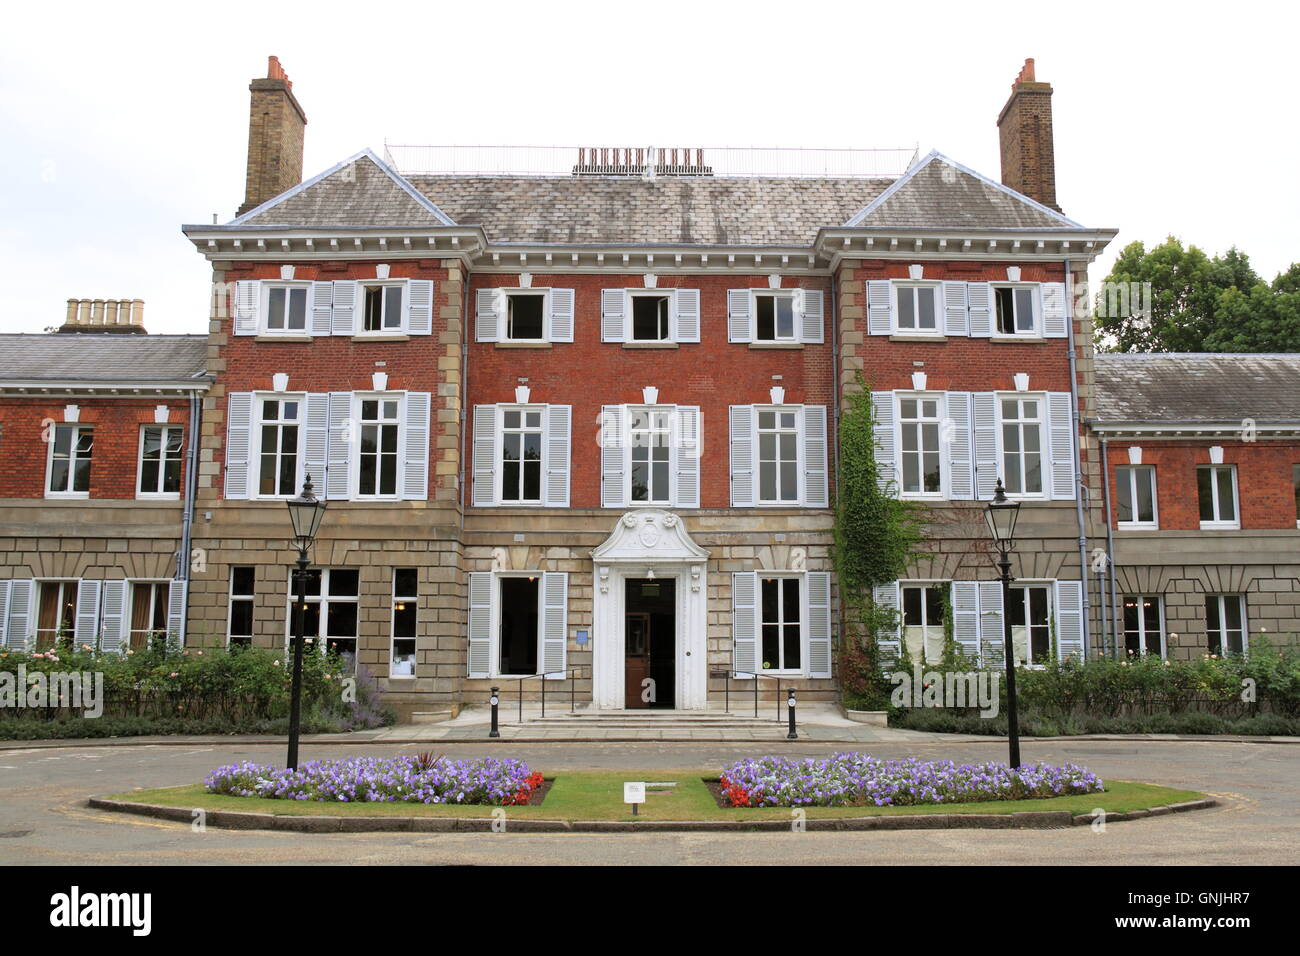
(940,193)
(102,357)
(1197,387)
(360,191)
(689,211)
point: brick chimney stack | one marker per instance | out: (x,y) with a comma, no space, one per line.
(275,134)
(1025,135)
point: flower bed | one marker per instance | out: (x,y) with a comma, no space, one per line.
(410,779)
(856,779)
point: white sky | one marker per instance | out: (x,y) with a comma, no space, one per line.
(122,121)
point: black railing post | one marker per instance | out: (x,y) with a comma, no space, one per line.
(494,700)
(543,696)
(756,695)
(778,700)
(521,700)
(573,689)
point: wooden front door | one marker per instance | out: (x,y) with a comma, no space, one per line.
(637,658)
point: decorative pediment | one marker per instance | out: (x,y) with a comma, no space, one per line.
(648,536)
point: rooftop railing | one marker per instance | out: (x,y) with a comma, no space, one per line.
(650,161)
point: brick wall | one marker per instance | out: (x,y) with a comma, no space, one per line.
(1264,486)
(588,373)
(114,470)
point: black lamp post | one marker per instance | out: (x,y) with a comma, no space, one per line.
(1001,515)
(305,512)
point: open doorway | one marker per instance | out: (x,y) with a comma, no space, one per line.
(650,635)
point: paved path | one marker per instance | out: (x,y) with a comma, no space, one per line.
(43,818)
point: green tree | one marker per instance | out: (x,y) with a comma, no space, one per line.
(876,537)
(1198,303)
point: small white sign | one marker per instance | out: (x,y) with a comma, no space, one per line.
(634,792)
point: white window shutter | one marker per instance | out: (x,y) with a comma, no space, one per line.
(992,626)
(880,307)
(345,307)
(480,620)
(812,320)
(86,627)
(342,426)
(114,626)
(688,457)
(744,622)
(738,315)
(819,623)
(612,307)
(559,442)
(316,436)
(955,318)
(886,596)
(961,464)
(1069,619)
(613,437)
(322,308)
(555,626)
(4,610)
(979,299)
(176,613)
(815,492)
(419,307)
(987,471)
(1055,320)
(686,305)
(22,598)
(489,315)
(742,456)
(248,294)
(882,408)
(485,455)
(239,426)
(1061,444)
(966,617)
(561,325)
(415,446)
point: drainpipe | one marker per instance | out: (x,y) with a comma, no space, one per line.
(1110,549)
(1079,485)
(187,511)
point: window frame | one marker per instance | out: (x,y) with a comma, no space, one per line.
(795,336)
(545,295)
(251,598)
(354,449)
(1035,304)
(798,501)
(672,431)
(1295,486)
(162,462)
(392,632)
(1044,444)
(941,401)
(255,441)
(1143,635)
(264,307)
(1217,523)
(923,586)
(499,477)
(320,643)
(73,459)
(496,618)
(670,320)
(801,578)
(129,611)
(911,285)
(1223,631)
(1132,471)
(363,286)
(1024,586)
(61,601)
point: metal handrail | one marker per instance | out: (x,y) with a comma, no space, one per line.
(756,676)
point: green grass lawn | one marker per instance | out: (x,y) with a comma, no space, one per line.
(598,795)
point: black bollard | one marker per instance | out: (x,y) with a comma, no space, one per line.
(494,700)
(790,704)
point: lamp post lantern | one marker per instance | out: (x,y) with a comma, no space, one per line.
(1001,515)
(305,514)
